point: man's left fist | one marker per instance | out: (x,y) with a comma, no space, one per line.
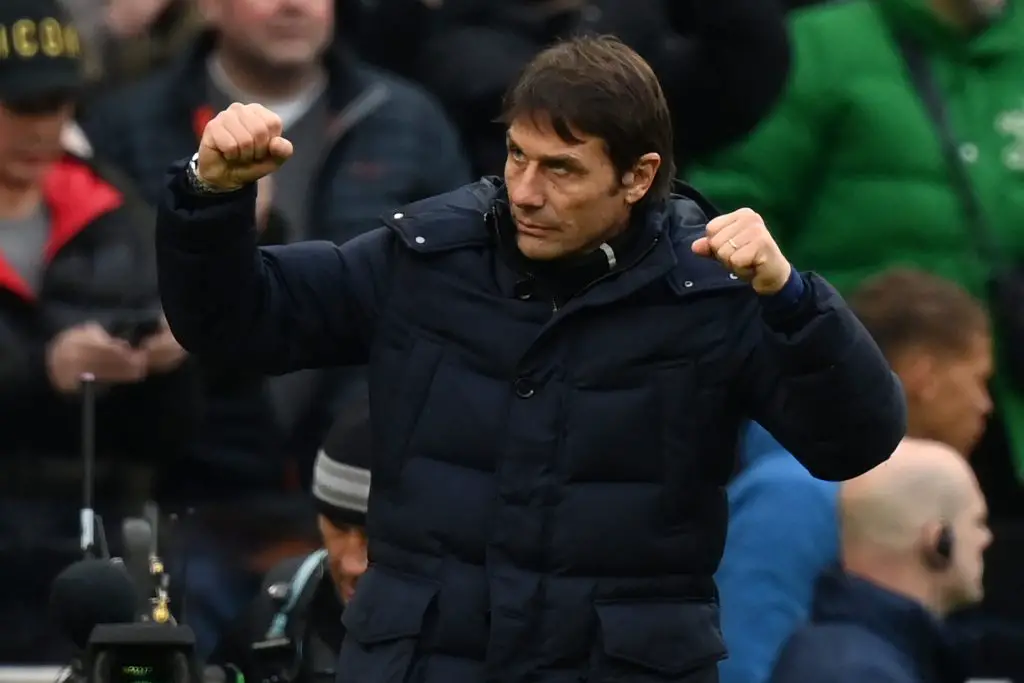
(742,243)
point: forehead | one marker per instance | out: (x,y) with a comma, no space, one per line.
(537,137)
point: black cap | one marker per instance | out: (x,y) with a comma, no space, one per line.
(40,51)
(341,476)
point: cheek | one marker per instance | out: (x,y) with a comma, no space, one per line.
(322,10)
(7,134)
(246,14)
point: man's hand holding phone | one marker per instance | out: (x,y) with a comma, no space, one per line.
(89,348)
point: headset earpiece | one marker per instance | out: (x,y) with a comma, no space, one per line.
(941,556)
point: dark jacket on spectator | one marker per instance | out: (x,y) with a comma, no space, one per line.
(861,632)
(100,268)
(391,144)
(722,64)
(313,626)
(548,497)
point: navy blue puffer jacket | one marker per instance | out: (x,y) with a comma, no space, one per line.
(548,485)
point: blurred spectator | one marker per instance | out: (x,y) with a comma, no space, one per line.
(722,64)
(913,534)
(365,142)
(783,525)
(782,535)
(317,585)
(850,171)
(937,338)
(78,294)
(123,39)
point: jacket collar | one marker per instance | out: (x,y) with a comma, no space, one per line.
(465,218)
(915,20)
(909,627)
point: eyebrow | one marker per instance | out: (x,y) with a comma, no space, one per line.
(553,160)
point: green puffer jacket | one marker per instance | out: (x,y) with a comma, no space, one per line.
(848,171)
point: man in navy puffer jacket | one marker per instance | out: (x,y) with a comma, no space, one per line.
(559,366)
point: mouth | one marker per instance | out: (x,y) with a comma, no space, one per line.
(531,229)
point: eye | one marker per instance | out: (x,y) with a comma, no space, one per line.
(516,154)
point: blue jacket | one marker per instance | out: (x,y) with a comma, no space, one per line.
(548,494)
(783,533)
(864,633)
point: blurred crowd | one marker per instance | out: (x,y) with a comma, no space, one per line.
(882,140)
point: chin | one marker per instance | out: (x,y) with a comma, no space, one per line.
(26,173)
(537,249)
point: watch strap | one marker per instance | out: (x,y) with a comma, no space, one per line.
(196,183)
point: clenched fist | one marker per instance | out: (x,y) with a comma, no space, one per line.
(742,243)
(240,145)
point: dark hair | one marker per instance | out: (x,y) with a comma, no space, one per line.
(600,87)
(904,308)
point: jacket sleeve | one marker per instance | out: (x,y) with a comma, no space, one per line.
(773,170)
(272,310)
(726,71)
(816,380)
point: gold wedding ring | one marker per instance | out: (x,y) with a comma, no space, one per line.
(732,243)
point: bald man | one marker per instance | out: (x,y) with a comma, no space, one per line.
(784,523)
(913,533)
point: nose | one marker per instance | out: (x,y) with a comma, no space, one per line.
(524,188)
(353,564)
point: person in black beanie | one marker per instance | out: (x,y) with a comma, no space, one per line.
(292,631)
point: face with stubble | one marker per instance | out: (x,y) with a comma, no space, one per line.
(346,554)
(30,138)
(566,196)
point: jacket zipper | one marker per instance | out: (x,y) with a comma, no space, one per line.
(635,262)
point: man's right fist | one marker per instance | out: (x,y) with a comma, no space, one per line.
(240,145)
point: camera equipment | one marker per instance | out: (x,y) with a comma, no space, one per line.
(117,611)
(141,653)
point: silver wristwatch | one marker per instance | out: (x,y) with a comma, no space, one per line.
(196,183)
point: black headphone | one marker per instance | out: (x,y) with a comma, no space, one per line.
(941,556)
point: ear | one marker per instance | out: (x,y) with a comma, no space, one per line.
(639,179)
(930,533)
(916,370)
(929,544)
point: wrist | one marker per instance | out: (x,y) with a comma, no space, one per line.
(199,184)
(789,296)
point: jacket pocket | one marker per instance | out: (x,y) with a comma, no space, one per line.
(654,642)
(384,622)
